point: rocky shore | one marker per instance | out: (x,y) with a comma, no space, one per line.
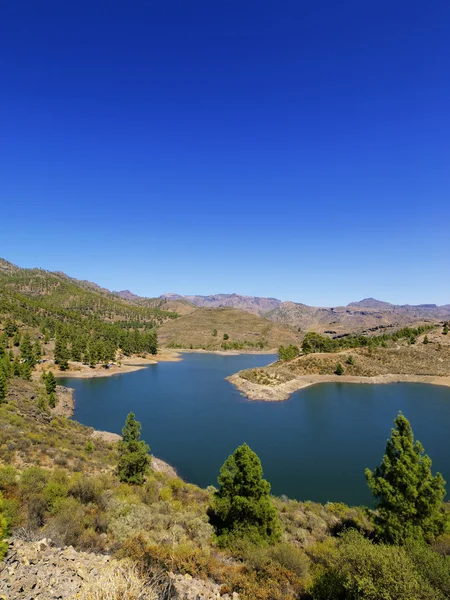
(283,391)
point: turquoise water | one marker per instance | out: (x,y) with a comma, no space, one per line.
(314,446)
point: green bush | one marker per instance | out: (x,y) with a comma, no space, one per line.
(432,566)
(3,529)
(288,352)
(361,570)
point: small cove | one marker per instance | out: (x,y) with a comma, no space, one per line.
(314,446)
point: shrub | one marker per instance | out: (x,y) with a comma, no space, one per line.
(290,557)
(362,570)
(68,524)
(8,479)
(3,529)
(32,481)
(288,352)
(433,567)
(339,369)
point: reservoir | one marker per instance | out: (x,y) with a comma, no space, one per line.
(314,446)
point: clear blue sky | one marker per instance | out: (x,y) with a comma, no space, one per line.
(282,148)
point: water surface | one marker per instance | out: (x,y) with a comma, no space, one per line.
(314,446)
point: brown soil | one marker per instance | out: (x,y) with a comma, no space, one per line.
(427,363)
(127,365)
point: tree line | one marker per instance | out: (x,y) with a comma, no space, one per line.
(316,342)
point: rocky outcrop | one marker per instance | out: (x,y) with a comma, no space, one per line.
(186,587)
(39,571)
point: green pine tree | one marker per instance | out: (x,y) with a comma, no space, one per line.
(52,399)
(242,508)
(3,386)
(25,371)
(16,367)
(445,330)
(61,354)
(37,351)
(339,369)
(50,383)
(408,497)
(26,350)
(134,459)
(426,340)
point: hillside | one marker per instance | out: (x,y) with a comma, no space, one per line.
(358,317)
(252,304)
(425,360)
(362,316)
(206,328)
(58,482)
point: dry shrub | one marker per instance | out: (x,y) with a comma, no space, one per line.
(270,581)
(120,581)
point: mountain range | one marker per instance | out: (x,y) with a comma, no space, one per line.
(363,316)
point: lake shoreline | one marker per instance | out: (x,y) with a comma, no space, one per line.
(283,391)
(225,352)
(128,365)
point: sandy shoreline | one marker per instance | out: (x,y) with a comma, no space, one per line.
(128,365)
(283,391)
(227,352)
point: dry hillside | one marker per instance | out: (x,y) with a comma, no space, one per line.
(399,361)
(197,329)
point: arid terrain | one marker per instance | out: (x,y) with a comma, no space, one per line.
(420,362)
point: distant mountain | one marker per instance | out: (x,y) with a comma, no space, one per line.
(251,304)
(371,303)
(365,315)
(126,295)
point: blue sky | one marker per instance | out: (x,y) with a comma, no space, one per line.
(281,148)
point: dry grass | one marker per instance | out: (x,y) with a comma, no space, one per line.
(119,581)
(197,327)
(432,359)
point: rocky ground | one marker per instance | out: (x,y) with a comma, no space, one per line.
(39,571)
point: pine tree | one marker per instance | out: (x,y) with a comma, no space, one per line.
(50,382)
(16,367)
(445,330)
(61,354)
(3,386)
(408,497)
(37,351)
(426,340)
(25,371)
(52,399)
(242,508)
(26,350)
(134,458)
